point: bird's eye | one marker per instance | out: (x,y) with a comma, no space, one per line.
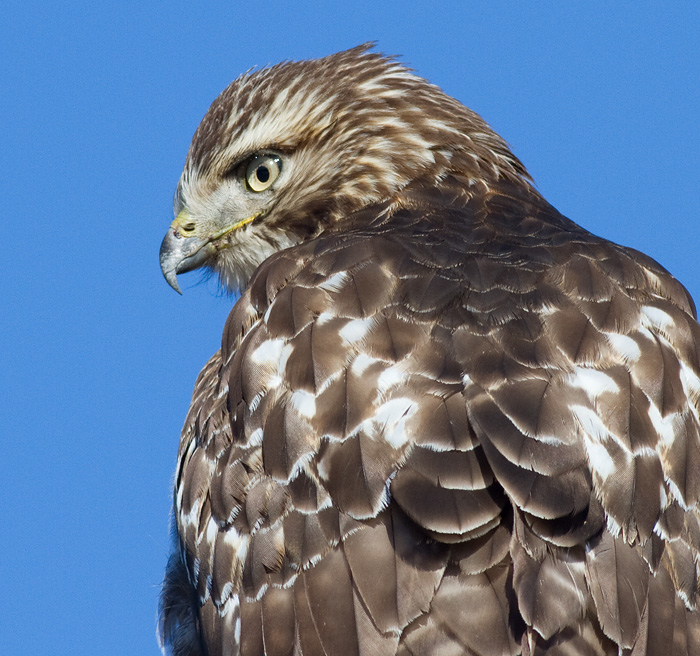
(262,171)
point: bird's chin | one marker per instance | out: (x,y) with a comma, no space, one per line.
(234,269)
(237,260)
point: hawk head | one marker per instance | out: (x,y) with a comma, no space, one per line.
(287,152)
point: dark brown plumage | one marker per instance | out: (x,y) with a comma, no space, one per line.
(444,418)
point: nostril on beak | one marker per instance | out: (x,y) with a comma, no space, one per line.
(184,230)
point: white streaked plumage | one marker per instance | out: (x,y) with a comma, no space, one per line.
(444,418)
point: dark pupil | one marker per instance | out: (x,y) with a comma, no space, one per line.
(263,173)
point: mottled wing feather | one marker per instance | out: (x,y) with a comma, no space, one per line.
(453,424)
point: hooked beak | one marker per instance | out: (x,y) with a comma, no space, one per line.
(181,251)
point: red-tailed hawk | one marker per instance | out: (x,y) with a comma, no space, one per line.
(444,419)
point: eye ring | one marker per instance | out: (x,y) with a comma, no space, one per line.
(261,172)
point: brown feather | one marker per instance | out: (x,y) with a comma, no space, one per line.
(444,418)
(619,582)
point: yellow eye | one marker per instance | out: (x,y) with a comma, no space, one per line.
(262,171)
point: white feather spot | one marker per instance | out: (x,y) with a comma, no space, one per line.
(657,317)
(304,402)
(322,468)
(592,382)
(391,418)
(237,630)
(613,526)
(336,282)
(238,542)
(665,426)
(256,437)
(599,460)
(269,352)
(390,377)
(324,317)
(274,382)
(591,424)
(192,517)
(361,363)
(625,347)
(355,330)
(595,434)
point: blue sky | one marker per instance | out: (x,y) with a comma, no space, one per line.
(98,103)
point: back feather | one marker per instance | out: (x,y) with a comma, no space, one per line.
(446,427)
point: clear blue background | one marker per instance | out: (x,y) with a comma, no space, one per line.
(97,106)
